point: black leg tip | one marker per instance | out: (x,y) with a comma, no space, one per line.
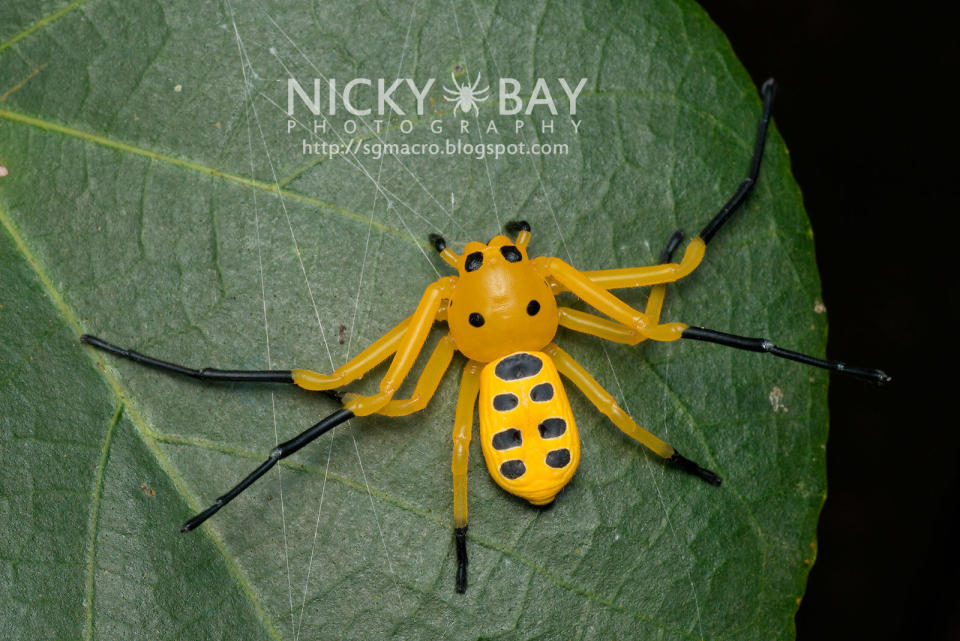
(516,226)
(769,88)
(90,339)
(667,254)
(690,467)
(460,534)
(438,242)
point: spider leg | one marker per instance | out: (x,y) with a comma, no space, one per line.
(604,402)
(633,320)
(767,91)
(355,368)
(451,91)
(463,426)
(282,450)
(203,373)
(440,244)
(641,276)
(522,230)
(648,275)
(609,330)
(764,345)
(593,294)
(366,360)
(410,345)
(428,382)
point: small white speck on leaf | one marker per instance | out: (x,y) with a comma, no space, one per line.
(776,400)
(819,307)
(178,88)
(4,171)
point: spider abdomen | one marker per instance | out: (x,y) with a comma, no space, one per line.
(527,430)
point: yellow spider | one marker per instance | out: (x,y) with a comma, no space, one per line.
(503,316)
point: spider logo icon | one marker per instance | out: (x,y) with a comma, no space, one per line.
(466,95)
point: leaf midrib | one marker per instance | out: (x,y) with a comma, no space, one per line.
(71,319)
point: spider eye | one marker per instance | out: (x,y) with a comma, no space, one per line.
(511,253)
(473,262)
(533,307)
(476,319)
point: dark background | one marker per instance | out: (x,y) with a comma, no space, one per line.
(866,103)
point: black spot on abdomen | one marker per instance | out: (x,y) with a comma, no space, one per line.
(505,402)
(515,468)
(558,458)
(552,427)
(507,439)
(517,366)
(542,392)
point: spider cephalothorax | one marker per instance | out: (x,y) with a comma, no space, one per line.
(501,302)
(503,317)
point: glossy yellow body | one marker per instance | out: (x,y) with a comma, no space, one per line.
(501,291)
(523,432)
(500,305)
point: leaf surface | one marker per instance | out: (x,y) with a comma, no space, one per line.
(149,202)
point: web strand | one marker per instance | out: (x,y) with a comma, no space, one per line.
(476,119)
(613,370)
(352,331)
(247,101)
(448,214)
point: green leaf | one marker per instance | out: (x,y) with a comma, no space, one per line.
(137,208)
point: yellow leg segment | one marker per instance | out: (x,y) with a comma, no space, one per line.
(653,274)
(605,302)
(462,429)
(604,402)
(359,365)
(428,382)
(594,295)
(587,323)
(449,256)
(655,303)
(608,330)
(407,350)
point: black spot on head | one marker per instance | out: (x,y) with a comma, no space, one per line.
(533,307)
(511,253)
(552,427)
(513,469)
(473,261)
(507,439)
(558,458)
(476,319)
(517,366)
(505,402)
(542,392)
(514,226)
